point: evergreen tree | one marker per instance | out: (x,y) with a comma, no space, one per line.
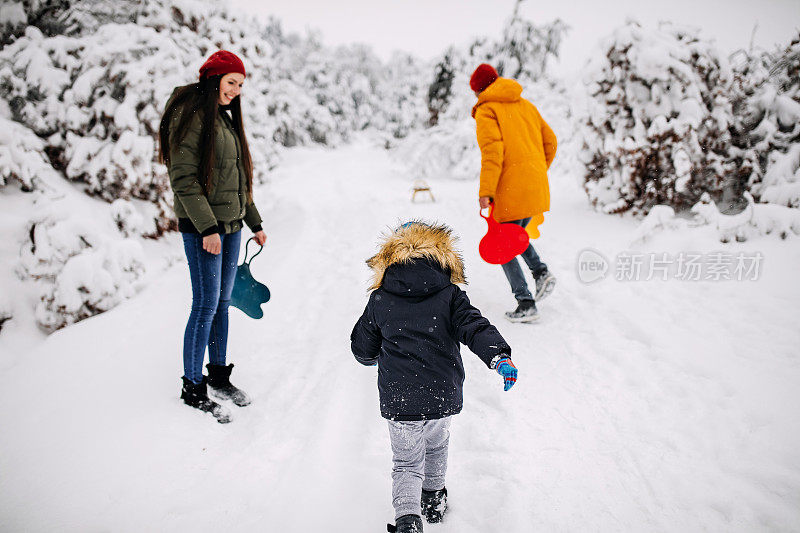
(526,48)
(441,90)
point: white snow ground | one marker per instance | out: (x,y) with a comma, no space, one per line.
(641,406)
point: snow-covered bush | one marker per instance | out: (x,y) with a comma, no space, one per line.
(82,271)
(771,85)
(659,121)
(62,17)
(670,118)
(90,283)
(45,14)
(772,219)
(755,220)
(129,219)
(446,150)
(659,218)
(54,235)
(12,18)
(22,157)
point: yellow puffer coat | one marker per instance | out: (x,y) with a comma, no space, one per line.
(517,148)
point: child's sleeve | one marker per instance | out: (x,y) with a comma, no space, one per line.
(474,330)
(365,340)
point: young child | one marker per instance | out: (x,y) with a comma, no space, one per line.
(411,328)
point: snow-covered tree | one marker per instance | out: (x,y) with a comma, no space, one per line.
(521,52)
(525,49)
(449,147)
(441,90)
(771,111)
(402,93)
(660,121)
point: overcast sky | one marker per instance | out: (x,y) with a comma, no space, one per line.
(426,27)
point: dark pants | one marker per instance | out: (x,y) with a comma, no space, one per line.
(212,283)
(513,271)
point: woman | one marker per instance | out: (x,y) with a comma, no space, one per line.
(205,149)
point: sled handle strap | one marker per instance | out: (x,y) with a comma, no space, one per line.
(491,212)
(247,251)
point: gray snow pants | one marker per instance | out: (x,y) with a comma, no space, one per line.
(419,450)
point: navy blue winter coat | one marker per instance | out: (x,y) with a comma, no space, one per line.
(414,323)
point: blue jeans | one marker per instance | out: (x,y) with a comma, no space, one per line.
(212,283)
(514,273)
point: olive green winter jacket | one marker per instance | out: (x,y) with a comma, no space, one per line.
(227,204)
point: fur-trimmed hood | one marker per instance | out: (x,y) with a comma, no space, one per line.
(418,240)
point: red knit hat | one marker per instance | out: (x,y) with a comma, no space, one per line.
(483,76)
(221,62)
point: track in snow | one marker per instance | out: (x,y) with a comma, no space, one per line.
(640,407)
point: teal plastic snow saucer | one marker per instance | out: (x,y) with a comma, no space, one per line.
(248,293)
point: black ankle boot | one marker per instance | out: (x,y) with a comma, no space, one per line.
(409,523)
(525,312)
(219,380)
(434,504)
(196,395)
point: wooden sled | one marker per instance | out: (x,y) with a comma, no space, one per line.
(421,187)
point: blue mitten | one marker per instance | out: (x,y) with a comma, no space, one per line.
(509,372)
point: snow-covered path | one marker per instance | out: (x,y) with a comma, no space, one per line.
(641,406)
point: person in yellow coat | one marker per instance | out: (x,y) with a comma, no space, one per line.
(517,147)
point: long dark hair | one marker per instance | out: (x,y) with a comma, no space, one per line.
(203,97)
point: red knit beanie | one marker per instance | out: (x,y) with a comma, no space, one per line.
(483,76)
(221,62)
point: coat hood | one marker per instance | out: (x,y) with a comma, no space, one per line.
(434,244)
(502,90)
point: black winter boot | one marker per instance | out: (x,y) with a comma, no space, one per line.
(525,312)
(545,283)
(434,504)
(219,380)
(409,523)
(196,395)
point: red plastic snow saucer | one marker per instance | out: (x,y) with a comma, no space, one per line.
(503,242)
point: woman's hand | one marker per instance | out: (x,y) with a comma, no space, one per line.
(260,238)
(484,201)
(212,243)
